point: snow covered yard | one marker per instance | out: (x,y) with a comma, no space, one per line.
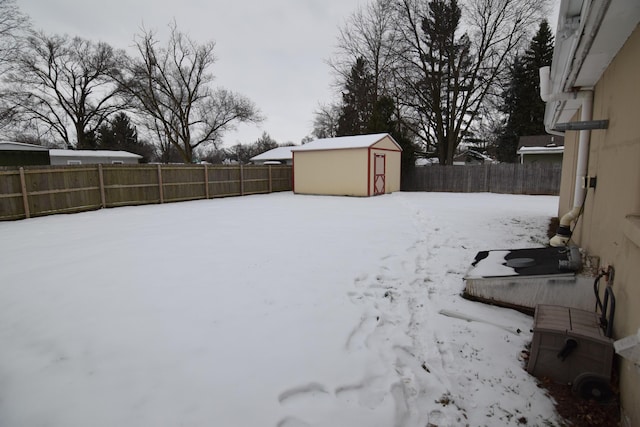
(273,310)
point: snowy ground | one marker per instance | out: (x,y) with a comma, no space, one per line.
(274,310)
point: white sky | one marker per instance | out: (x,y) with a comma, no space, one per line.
(273,52)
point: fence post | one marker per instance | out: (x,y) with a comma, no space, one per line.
(241,181)
(101,180)
(270,181)
(25,197)
(206,182)
(487,178)
(160,184)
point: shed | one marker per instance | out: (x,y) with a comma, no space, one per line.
(360,165)
(92,157)
(20,154)
(281,155)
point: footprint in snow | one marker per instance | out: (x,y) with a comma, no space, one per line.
(358,337)
(369,393)
(292,422)
(311,389)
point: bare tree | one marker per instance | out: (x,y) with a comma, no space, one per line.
(449,74)
(63,86)
(370,34)
(171,87)
(325,123)
(13,25)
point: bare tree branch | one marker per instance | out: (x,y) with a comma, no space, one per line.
(171,87)
(64,83)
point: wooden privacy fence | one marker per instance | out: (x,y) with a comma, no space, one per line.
(45,190)
(507,178)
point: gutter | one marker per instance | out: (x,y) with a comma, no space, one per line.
(563,234)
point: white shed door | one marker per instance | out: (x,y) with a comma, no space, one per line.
(379,178)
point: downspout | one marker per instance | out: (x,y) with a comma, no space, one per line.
(563,234)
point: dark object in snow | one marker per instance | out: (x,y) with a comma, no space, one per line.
(590,386)
(523,278)
(532,261)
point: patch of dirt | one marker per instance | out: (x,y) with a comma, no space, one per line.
(578,412)
(553,227)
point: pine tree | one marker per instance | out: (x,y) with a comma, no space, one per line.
(522,103)
(383,120)
(358,99)
(118,134)
(446,83)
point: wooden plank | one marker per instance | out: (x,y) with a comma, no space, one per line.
(241,181)
(62,190)
(9,195)
(206,182)
(101,179)
(160,184)
(117,186)
(25,196)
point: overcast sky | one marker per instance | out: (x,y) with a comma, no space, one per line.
(272,51)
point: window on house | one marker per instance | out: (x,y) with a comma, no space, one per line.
(74,162)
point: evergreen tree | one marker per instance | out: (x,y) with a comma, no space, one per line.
(264,143)
(119,134)
(383,119)
(522,103)
(358,99)
(447,84)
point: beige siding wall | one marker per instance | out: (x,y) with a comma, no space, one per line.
(385,144)
(333,172)
(605,229)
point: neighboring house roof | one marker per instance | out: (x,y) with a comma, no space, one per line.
(427,162)
(93,153)
(345,142)
(19,146)
(588,37)
(475,154)
(541,150)
(278,153)
(541,141)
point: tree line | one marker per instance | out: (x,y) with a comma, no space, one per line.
(83,93)
(434,74)
(439,73)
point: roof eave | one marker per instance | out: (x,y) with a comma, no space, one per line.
(589,35)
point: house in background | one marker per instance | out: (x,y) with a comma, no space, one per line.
(19,154)
(541,148)
(361,165)
(92,157)
(592,94)
(472,157)
(278,155)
